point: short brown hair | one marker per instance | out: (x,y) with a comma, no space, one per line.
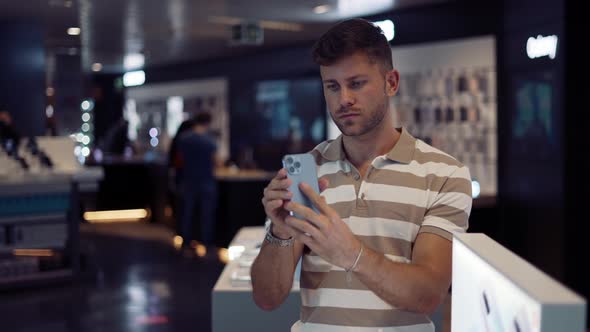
(349,37)
(202,118)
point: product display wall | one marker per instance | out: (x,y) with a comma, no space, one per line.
(449,101)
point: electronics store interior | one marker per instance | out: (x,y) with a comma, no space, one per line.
(317,165)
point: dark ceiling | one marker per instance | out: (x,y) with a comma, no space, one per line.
(174,31)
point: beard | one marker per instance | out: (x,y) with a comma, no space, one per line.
(365,123)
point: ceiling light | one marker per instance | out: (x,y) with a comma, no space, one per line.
(96,66)
(387,27)
(133,61)
(73,31)
(322,9)
(352,8)
(134,78)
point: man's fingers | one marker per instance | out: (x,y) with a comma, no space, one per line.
(303,226)
(281,174)
(277,194)
(274,204)
(315,198)
(306,213)
(279,184)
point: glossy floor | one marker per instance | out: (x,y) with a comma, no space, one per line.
(132,280)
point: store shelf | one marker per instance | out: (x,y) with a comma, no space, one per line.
(41,277)
(50,218)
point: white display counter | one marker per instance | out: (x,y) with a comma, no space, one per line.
(233,308)
(495,290)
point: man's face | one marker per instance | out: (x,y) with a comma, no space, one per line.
(357,93)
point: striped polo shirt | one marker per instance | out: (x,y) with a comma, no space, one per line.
(413,189)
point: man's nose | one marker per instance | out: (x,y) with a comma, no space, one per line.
(347,97)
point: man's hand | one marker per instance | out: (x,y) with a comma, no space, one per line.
(276,194)
(324,233)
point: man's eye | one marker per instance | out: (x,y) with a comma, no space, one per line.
(332,87)
(357,84)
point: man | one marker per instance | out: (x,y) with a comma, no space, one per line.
(198,184)
(377,256)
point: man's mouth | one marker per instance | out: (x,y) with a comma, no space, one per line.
(348,115)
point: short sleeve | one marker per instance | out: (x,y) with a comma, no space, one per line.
(449,212)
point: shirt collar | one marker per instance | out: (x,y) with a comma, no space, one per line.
(402,151)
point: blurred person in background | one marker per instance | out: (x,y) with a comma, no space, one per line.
(7,130)
(198,186)
(376,254)
(115,140)
(176,165)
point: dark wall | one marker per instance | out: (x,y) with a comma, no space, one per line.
(68,83)
(450,20)
(576,143)
(531,147)
(22,75)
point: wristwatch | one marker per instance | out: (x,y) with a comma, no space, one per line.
(271,239)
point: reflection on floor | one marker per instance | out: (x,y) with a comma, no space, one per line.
(133,280)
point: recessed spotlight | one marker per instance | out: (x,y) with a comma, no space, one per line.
(97,66)
(73,31)
(322,9)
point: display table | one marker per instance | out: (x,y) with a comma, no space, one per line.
(38,235)
(233,308)
(39,211)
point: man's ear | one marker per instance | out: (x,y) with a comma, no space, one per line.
(391,82)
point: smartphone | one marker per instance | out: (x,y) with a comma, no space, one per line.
(301,168)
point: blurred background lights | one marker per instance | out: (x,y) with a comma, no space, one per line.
(49,111)
(475,189)
(154,141)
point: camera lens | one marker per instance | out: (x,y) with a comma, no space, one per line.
(297,164)
(289,160)
(291,169)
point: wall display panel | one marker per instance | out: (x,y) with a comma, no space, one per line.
(279,117)
(533,123)
(165,106)
(447,98)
